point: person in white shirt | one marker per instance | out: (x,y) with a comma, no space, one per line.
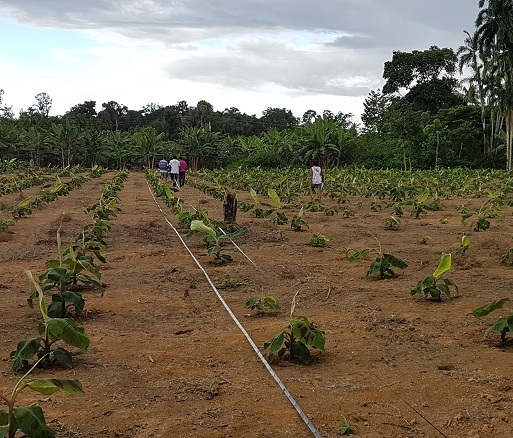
(174,170)
(316,181)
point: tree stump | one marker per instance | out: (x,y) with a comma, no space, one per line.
(230,207)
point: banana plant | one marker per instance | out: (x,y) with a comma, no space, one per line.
(215,240)
(30,420)
(293,342)
(382,266)
(297,223)
(503,325)
(67,274)
(51,330)
(436,285)
(262,304)
(464,246)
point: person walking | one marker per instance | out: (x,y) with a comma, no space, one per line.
(174,170)
(163,169)
(316,182)
(182,169)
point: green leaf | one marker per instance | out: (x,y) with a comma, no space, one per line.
(31,421)
(307,333)
(274,196)
(65,329)
(279,181)
(274,344)
(301,352)
(375,268)
(395,261)
(75,299)
(423,197)
(359,254)
(254,303)
(465,217)
(25,202)
(489,308)
(25,350)
(4,430)
(254,196)
(444,265)
(214,249)
(169,193)
(63,357)
(197,225)
(271,303)
(498,327)
(49,386)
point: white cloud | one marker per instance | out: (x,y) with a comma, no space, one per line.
(249,54)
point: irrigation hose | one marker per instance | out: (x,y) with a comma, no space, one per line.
(289,396)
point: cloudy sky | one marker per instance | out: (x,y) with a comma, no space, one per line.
(248,54)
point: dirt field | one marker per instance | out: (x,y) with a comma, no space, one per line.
(166,359)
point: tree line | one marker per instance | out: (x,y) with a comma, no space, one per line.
(423,117)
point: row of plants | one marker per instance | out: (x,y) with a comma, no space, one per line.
(45,195)
(73,271)
(291,183)
(23,180)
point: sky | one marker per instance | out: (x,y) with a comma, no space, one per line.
(248,54)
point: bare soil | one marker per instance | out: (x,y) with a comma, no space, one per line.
(167,360)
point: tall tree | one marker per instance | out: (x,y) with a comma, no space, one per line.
(115,111)
(495,35)
(279,118)
(43,104)
(375,107)
(468,54)
(428,77)
(5,111)
(204,111)
(86,109)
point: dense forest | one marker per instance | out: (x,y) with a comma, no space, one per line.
(423,117)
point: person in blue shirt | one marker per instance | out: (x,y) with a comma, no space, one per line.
(163,169)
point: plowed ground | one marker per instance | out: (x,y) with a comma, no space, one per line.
(166,359)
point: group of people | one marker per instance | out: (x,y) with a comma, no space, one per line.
(175,169)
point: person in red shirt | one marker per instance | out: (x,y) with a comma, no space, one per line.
(182,170)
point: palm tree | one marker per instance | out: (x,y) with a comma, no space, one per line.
(468,55)
(495,36)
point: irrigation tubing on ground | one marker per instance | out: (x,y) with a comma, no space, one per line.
(289,396)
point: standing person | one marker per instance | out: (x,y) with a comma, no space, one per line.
(174,170)
(182,170)
(163,169)
(316,181)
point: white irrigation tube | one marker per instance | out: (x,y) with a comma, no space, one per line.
(291,399)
